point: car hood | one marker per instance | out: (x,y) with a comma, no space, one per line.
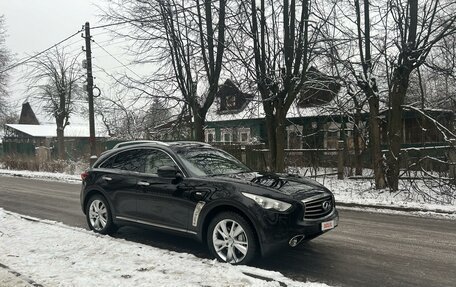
(294,186)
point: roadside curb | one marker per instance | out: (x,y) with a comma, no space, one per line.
(68,178)
(394,208)
(12,278)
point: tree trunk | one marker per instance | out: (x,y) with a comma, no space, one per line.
(61,141)
(343,141)
(280,143)
(374,142)
(198,127)
(395,139)
(272,136)
(356,144)
(276,129)
(393,155)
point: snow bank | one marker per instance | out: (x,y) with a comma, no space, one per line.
(69,178)
(363,192)
(53,254)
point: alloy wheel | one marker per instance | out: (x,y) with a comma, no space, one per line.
(230,241)
(98,215)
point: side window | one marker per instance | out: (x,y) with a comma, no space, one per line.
(130,160)
(155,160)
(109,162)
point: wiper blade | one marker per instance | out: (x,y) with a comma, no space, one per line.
(245,171)
(216,174)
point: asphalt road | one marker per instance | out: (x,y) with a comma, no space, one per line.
(367,249)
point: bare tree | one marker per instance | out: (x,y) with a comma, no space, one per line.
(359,64)
(5,59)
(282,44)
(121,120)
(415,30)
(184,42)
(124,121)
(439,72)
(54,81)
(394,39)
(368,84)
(345,48)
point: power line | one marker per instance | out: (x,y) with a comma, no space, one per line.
(116,23)
(21,62)
(38,54)
(177,10)
(125,66)
(110,42)
(116,67)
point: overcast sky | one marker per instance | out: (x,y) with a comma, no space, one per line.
(35,25)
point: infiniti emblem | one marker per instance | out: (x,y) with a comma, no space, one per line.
(326,205)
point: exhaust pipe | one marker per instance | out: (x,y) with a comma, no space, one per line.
(294,241)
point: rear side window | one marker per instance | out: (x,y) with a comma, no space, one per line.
(130,160)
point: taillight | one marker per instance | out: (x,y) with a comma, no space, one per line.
(84,175)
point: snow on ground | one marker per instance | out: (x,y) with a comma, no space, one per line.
(362,192)
(414,195)
(52,254)
(69,178)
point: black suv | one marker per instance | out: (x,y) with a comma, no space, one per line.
(195,189)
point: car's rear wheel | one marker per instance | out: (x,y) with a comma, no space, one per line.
(231,239)
(98,214)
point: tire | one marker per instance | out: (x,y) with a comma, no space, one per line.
(99,216)
(231,239)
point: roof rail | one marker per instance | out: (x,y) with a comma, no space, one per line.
(189,143)
(128,143)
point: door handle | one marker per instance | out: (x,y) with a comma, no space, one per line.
(107,178)
(143,183)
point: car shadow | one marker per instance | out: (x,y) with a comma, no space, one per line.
(301,262)
(162,240)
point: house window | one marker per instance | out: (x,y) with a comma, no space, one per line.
(294,136)
(332,135)
(227,135)
(243,135)
(209,135)
(231,102)
(332,139)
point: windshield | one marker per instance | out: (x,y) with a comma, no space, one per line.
(208,161)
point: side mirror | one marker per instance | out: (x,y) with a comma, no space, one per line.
(170,172)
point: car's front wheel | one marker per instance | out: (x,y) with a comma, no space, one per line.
(98,214)
(231,239)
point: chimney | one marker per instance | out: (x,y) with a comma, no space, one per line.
(27,115)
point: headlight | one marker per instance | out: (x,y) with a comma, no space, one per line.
(268,203)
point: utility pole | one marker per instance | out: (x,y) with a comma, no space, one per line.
(88,50)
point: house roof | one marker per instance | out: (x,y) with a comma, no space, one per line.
(50,130)
(254,110)
(321,96)
(27,115)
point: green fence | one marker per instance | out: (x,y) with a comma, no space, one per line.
(26,149)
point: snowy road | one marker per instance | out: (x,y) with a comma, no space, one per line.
(367,249)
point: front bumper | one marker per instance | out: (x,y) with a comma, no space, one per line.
(278,235)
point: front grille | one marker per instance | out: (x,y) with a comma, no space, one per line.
(317,208)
